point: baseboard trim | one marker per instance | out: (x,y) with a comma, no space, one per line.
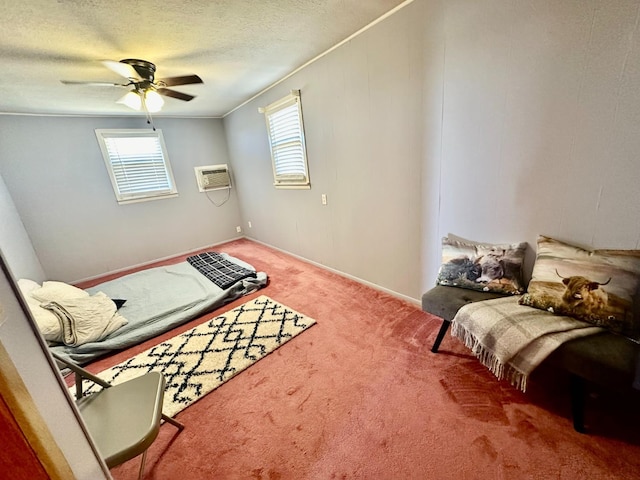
(375,286)
(151,262)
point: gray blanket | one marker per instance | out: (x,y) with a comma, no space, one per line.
(510,339)
(157,300)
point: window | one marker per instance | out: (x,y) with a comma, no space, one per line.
(138,164)
(286,139)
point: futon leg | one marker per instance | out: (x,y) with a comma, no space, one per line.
(443,329)
(576,386)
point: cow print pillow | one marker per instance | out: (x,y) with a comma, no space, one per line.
(482,266)
(599,287)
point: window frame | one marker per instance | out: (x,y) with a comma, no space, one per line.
(286,180)
(124,198)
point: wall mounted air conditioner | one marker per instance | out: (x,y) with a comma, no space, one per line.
(213,177)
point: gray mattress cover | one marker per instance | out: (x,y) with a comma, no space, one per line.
(157,300)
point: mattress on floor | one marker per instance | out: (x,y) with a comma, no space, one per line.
(157,300)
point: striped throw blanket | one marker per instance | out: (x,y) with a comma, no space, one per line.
(510,339)
(219,268)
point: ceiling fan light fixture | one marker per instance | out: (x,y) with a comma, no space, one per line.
(153,101)
(132,100)
(146,90)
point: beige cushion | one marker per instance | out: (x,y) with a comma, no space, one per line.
(46,321)
(27,286)
(54,291)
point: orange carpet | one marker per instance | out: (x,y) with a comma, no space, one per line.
(360,396)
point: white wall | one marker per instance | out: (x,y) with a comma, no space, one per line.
(14,240)
(55,173)
(430,15)
(494,120)
(362,110)
(541,121)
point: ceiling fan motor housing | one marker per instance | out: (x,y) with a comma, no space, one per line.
(145,69)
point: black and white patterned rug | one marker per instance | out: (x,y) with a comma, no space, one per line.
(197,361)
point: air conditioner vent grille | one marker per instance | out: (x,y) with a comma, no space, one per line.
(213,177)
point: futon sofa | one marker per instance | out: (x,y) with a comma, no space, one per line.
(605,359)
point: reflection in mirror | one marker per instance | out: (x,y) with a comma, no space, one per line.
(34,391)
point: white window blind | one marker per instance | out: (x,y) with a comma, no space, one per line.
(286,139)
(137,163)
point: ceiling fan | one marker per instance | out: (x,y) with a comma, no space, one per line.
(146,90)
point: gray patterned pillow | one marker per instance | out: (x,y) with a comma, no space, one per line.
(482,266)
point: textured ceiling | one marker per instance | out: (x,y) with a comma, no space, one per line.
(237,47)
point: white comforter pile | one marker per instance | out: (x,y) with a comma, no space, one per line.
(69,315)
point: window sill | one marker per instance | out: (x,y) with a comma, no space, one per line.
(292,187)
(146,199)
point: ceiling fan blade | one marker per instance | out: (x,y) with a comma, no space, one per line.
(94,84)
(123,69)
(184,80)
(172,93)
